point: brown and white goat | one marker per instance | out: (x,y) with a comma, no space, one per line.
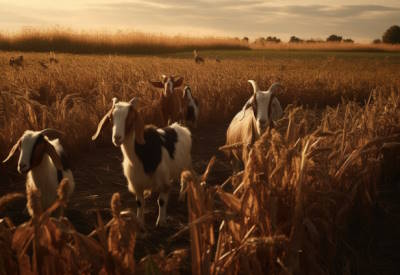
(44,163)
(152,157)
(170,100)
(259,113)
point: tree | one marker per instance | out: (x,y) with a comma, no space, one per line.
(273,39)
(392,35)
(260,40)
(377,41)
(294,39)
(245,39)
(348,40)
(334,38)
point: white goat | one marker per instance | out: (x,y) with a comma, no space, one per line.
(45,164)
(152,156)
(190,107)
(248,125)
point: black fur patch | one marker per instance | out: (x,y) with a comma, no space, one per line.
(190,114)
(150,152)
(161,202)
(270,105)
(64,160)
(59,175)
(169,139)
(39,140)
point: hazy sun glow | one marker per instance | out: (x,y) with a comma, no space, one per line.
(361,20)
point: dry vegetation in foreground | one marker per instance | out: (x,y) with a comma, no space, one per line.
(306,203)
(110,43)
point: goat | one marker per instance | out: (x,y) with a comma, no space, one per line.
(44,163)
(170,101)
(17,62)
(152,157)
(190,107)
(198,59)
(259,113)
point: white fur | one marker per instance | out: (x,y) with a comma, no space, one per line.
(263,98)
(246,127)
(168,169)
(44,176)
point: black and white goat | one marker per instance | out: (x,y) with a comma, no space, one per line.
(259,113)
(44,163)
(190,107)
(152,156)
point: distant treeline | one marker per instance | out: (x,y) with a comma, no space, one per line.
(106,43)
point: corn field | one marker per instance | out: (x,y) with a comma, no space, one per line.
(308,201)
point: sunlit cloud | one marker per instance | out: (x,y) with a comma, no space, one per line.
(201,17)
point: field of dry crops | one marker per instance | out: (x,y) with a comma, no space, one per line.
(318,195)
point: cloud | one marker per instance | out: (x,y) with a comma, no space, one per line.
(226,17)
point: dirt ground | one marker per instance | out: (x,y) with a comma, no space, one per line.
(100,175)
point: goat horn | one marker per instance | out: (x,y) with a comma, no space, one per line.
(255,86)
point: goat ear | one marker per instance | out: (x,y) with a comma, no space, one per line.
(274,87)
(157,84)
(51,151)
(139,128)
(276,109)
(101,123)
(178,82)
(12,151)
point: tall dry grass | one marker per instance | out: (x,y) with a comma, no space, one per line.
(304,205)
(306,202)
(67,41)
(74,94)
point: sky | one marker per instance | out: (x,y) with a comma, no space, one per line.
(360,20)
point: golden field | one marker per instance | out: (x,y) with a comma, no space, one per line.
(309,200)
(64,40)
(135,42)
